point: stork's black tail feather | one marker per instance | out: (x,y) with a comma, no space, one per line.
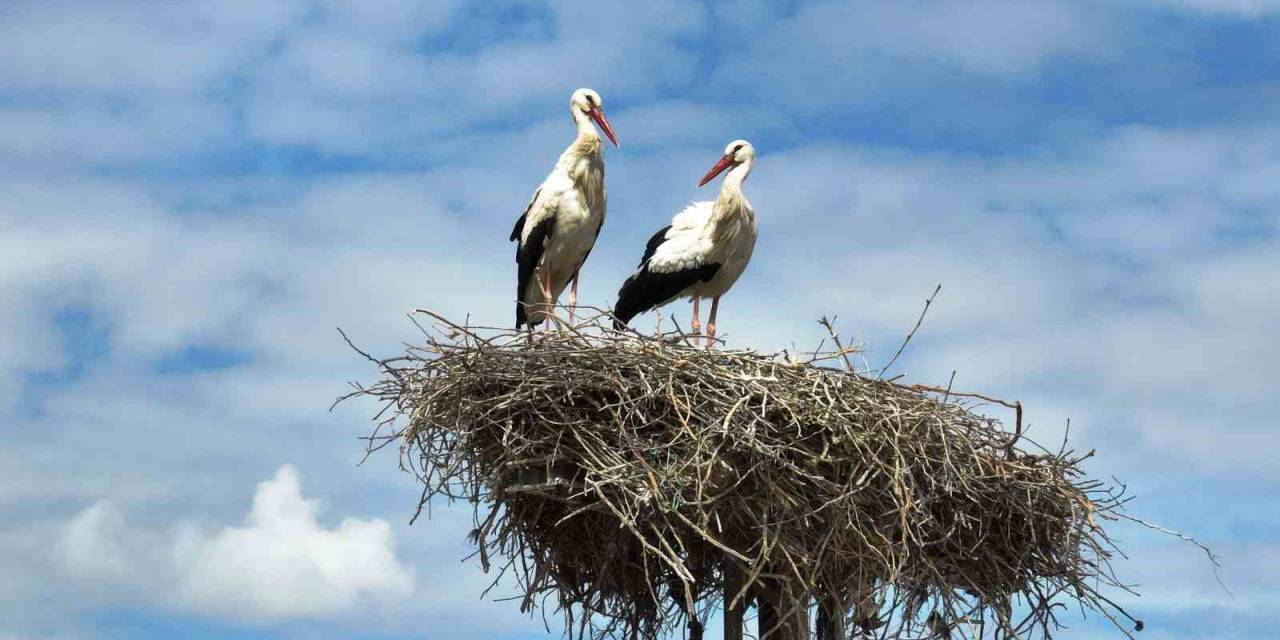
(634,298)
(646,290)
(625,309)
(521,317)
(528,254)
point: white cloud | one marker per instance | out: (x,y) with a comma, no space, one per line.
(93,545)
(1008,37)
(282,563)
(333,87)
(839,56)
(52,139)
(682,124)
(121,48)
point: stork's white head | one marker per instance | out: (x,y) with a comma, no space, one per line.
(738,152)
(586,102)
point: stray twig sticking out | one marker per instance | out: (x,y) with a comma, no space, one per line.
(844,353)
(912,334)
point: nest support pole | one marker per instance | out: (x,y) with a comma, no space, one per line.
(783,611)
(830,619)
(734,607)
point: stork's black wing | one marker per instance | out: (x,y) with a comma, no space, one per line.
(646,288)
(653,244)
(519,228)
(528,254)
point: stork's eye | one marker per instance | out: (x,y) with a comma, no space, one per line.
(737,148)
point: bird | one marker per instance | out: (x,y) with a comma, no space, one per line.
(560,225)
(701,253)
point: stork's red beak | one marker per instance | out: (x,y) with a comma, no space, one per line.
(723,164)
(597,114)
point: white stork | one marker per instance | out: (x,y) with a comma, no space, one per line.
(703,251)
(560,225)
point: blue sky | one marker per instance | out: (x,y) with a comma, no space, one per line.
(196,194)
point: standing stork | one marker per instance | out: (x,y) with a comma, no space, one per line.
(703,251)
(557,230)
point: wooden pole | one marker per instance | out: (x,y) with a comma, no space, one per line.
(830,621)
(796,601)
(734,579)
(687,602)
(767,611)
(865,608)
(773,603)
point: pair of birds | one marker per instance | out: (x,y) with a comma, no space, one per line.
(699,255)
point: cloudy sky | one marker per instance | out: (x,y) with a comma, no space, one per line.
(197,194)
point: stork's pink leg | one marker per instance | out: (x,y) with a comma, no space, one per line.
(697,323)
(711,322)
(573,295)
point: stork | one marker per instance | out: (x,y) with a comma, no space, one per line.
(701,253)
(557,230)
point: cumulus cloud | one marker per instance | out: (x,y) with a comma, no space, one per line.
(98,545)
(281,563)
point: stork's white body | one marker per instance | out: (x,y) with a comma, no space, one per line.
(563,219)
(698,237)
(573,195)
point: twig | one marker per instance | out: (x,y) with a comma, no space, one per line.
(912,334)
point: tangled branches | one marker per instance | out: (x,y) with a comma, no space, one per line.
(635,483)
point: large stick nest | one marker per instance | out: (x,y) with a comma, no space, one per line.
(624,477)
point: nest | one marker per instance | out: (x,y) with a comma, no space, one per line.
(636,483)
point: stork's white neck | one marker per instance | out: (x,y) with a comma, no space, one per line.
(585,145)
(736,176)
(586,126)
(731,200)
